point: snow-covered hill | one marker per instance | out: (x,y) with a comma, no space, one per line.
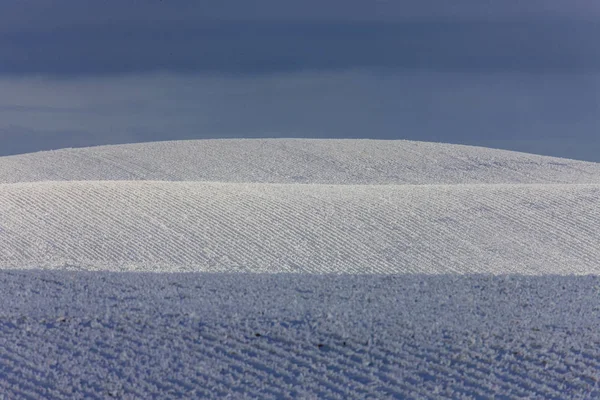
(365,162)
(298,269)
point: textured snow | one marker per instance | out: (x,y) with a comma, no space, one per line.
(309,161)
(136,335)
(298,269)
(215,227)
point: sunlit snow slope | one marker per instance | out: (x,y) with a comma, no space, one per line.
(215,227)
(298,269)
(366,162)
(363,207)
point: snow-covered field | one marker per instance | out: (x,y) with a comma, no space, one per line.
(298,269)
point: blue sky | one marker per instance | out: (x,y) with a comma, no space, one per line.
(509,74)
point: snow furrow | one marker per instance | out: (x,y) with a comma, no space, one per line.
(290,336)
(178,226)
(271,367)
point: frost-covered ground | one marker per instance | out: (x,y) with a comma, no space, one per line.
(138,335)
(298,269)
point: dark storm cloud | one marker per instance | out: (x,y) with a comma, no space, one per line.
(85,37)
(263,48)
(521,75)
(25,14)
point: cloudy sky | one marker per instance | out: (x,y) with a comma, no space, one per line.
(522,75)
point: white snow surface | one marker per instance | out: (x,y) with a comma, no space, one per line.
(298,269)
(308,161)
(271,228)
